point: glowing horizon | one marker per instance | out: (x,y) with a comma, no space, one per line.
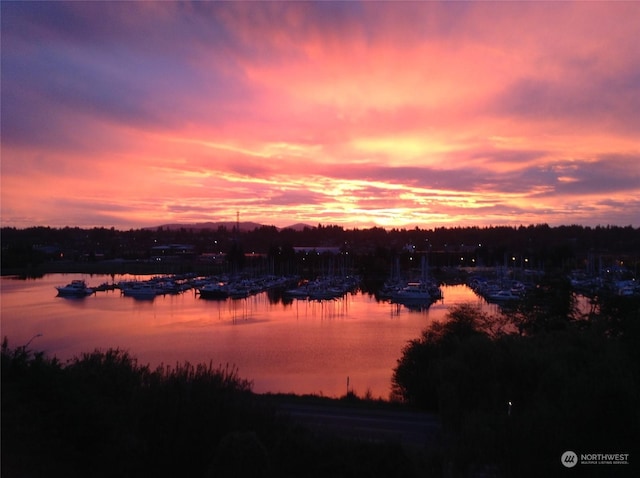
(357,114)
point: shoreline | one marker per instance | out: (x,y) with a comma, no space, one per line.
(136,267)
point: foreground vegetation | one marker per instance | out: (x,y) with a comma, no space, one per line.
(513,398)
(103,414)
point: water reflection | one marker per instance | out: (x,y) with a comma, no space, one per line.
(294,345)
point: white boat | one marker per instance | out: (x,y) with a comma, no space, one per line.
(502,295)
(141,291)
(76,288)
(413,292)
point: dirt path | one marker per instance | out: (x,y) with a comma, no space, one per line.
(408,427)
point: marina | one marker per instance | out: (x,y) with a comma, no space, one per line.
(281,343)
(283,333)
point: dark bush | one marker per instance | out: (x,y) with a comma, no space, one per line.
(516,402)
(102,414)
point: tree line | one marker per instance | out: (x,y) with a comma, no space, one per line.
(540,245)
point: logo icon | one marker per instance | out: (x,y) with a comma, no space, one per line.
(569,459)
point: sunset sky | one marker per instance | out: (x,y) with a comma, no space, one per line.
(359,114)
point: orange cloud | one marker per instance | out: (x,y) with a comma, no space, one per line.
(350,113)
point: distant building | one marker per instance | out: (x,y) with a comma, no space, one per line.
(172,251)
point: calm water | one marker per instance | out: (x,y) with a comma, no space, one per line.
(302,347)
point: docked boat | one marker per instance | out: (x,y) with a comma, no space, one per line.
(213,291)
(412,293)
(323,288)
(141,291)
(105,286)
(502,295)
(76,288)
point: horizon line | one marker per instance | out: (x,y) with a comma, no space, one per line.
(301,225)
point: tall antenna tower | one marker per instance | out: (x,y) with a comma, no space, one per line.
(238,222)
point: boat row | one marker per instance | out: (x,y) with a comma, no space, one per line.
(324,288)
(498,291)
(206,287)
(138,289)
(614,283)
(219,288)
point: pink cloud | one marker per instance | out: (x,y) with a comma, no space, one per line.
(353,113)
